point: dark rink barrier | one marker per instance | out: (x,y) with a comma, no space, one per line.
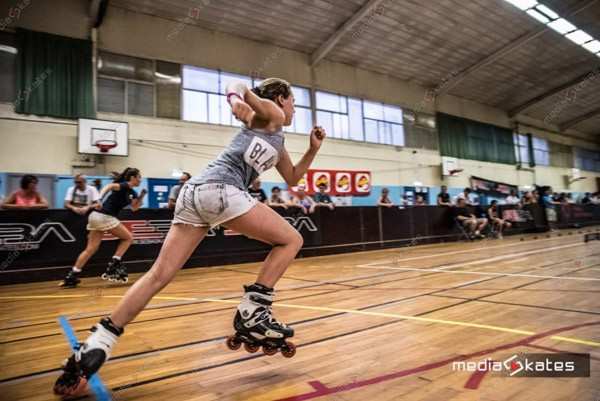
(577,215)
(43,244)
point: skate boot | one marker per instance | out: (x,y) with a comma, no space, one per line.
(115,271)
(71,280)
(256,327)
(87,359)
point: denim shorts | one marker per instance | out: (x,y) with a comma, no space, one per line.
(209,205)
(101,222)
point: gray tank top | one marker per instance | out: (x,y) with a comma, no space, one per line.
(249,154)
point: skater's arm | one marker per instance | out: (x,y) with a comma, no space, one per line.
(42,203)
(115,186)
(246,105)
(293,173)
(9,203)
(136,203)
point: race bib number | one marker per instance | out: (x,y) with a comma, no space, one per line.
(260,155)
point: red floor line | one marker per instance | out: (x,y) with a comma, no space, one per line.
(475,379)
(322,390)
(317,385)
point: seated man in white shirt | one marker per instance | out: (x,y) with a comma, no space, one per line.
(81,198)
(468,198)
(512,199)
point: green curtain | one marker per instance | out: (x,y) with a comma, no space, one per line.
(54,76)
(467,139)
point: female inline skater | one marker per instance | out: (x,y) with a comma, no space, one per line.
(120,194)
(218,196)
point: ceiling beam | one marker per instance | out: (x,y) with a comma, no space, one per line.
(540,98)
(370,9)
(97,11)
(573,122)
(509,48)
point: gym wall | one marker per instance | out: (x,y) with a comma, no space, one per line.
(44,145)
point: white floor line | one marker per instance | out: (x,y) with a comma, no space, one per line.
(435,255)
(483,273)
(492,259)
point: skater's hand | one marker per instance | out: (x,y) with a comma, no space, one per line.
(242,111)
(317,135)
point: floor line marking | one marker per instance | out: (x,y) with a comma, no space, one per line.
(390,315)
(512,244)
(476,262)
(483,273)
(424,319)
(95,383)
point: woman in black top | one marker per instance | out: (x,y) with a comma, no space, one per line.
(115,197)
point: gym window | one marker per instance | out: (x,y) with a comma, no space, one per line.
(360,120)
(541,151)
(521,148)
(125,84)
(587,159)
(205,100)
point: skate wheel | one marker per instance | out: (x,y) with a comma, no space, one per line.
(288,350)
(78,389)
(104,276)
(233,343)
(269,350)
(251,348)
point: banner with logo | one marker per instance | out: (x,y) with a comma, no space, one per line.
(43,244)
(337,182)
(491,187)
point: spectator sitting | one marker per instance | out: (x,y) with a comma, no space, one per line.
(466,195)
(586,199)
(419,201)
(569,199)
(472,224)
(257,192)
(27,197)
(550,204)
(276,200)
(498,223)
(304,202)
(595,199)
(443,198)
(322,199)
(384,199)
(512,199)
(81,198)
(98,184)
(406,201)
(529,198)
(174,193)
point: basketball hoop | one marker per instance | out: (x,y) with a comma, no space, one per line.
(105,145)
(455,172)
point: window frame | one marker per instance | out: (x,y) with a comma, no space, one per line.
(98,76)
(385,127)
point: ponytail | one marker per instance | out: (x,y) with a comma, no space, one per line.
(126,175)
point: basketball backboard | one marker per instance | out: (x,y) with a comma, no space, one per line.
(101,137)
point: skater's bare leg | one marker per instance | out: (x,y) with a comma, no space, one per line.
(125,239)
(263,224)
(93,243)
(254,323)
(179,244)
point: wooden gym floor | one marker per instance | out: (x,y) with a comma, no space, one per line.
(380,325)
